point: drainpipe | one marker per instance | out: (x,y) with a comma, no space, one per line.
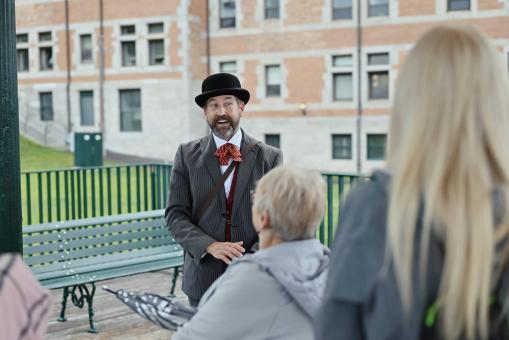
(101,73)
(68,59)
(359,86)
(10,186)
(207,22)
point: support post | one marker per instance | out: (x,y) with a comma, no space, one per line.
(10,190)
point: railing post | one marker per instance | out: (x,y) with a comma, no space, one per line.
(10,185)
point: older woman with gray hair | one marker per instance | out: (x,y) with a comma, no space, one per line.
(274,293)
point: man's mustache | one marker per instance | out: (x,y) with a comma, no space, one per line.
(229,120)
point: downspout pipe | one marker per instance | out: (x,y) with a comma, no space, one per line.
(207,23)
(359,87)
(68,66)
(101,74)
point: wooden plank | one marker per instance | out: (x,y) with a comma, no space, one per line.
(114,320)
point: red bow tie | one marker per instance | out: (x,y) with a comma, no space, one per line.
(227,151)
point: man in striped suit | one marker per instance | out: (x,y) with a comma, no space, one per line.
(214,231)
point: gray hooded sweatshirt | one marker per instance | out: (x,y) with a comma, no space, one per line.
(272,294)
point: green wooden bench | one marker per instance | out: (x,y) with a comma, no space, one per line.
(73,255)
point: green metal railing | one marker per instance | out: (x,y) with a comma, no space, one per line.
(78,193)
(337,188)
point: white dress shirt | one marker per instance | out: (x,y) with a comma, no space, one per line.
(235,140)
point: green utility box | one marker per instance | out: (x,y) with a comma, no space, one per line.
(88,149)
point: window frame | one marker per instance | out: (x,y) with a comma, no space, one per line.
(43,109)
(22,45)
(273,12)
(49,64)
(27,56)
(336,152)
(223,63)
(275,136)
(450,9)
(345,69)
(227,22)
(155,24)
(82,59)
(122,124)
(369,148)
(127,28)
(372,7)
(377,68)
(124,58)
(273,90)
(82,113)
(335,10)
(153,58)
(45,34)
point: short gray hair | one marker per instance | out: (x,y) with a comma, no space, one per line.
(294,200)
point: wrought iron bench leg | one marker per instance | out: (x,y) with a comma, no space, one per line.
(65,294)
(176,271)
(84,294)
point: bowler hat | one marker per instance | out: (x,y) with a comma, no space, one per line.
(220,84)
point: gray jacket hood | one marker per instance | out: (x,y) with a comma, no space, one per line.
(300,267)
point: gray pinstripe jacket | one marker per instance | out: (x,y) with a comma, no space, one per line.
(195,171)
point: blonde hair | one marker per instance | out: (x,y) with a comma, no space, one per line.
(294,199)
(448,149)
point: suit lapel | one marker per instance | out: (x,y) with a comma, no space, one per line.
(208,147)
(245,168)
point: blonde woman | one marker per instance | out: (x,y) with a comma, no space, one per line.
(275,292)
(422,244)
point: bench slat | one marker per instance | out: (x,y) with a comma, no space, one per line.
(97,266)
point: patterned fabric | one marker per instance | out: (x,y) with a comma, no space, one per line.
(226,152)
(25,306)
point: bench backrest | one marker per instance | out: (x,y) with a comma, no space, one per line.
(60,248)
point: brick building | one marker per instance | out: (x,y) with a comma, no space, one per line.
(321,72)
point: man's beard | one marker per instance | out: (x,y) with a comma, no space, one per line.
(226,131)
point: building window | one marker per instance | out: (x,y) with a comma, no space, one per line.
(127,30)
(273,140)
(376,146)
(155,28)
(272,81)
(342,77)
(86,48)
(128,53)
(343,86)
(378,75)
(87,108)
(271,9)
(46,102)
(156,46)
(341,9)
(22,57)
(378,85)
(45,58)
(228,66)
(21,38)
(342,146)
(156,51)
(130,110)
(22,52)
(227,13)
(378,8)
(44,36)
(45,52)
(458,5)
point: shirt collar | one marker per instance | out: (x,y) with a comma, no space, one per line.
(235,140)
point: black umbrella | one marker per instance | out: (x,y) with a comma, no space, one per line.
(162,311)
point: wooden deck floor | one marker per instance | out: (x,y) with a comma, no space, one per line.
(113,319)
